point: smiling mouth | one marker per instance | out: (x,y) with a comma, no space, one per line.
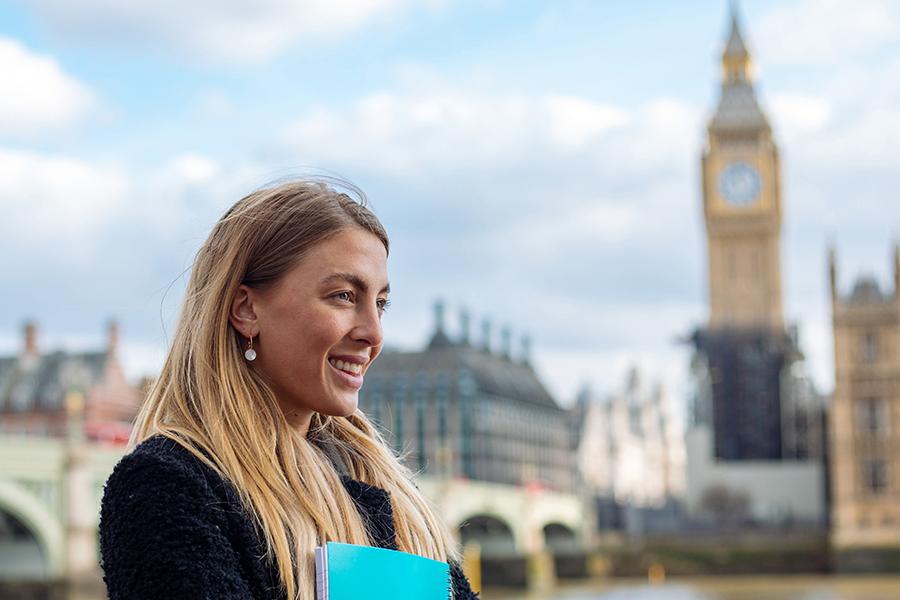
(347,367)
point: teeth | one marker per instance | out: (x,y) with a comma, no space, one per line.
(346,366)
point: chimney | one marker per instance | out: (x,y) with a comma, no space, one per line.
(526,350)
(505,341)
(112,337)
(464,326)
(30,334)
(486,334)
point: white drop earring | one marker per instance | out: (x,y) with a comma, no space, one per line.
(250,353)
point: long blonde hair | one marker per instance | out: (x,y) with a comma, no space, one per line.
(208,399)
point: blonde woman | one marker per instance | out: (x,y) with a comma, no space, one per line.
(250,451)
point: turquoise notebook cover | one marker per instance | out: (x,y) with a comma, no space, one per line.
(350,572)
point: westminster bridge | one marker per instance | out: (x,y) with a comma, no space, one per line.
(50,492)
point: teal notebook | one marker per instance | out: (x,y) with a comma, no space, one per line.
(350,572)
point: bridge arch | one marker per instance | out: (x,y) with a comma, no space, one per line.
(34,514)
(495,536)
(559,537)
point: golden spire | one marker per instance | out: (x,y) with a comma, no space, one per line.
(735,58)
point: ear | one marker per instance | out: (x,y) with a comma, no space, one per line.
(242,315)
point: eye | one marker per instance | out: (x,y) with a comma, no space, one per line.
(344,296)
(383,303)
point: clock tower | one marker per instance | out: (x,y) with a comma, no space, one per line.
(744,351)
(742,202)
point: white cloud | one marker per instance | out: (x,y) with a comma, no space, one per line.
(194,168)
(816,32)
(409,132)
(51,197)
(218,29)
(574,121)
(404,132)
(38,96)
(797,116)
(849,121)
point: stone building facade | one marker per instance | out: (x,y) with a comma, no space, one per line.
(464,409)
(865,424)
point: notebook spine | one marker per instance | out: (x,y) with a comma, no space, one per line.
(322,573)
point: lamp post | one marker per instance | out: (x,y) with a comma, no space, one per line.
(81,564)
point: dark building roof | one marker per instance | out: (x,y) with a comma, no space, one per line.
(866,291)
(492,374)
(738,109)
(42,380)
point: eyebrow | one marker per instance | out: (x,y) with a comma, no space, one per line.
(353,280)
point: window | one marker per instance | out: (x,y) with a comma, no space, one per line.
(872,417)
(868,348)
(21,398)
(874,476)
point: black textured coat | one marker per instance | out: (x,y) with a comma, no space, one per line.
(171,528)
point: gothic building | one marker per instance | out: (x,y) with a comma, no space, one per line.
(865,429)
(463,409)
(745,355)
(757,422)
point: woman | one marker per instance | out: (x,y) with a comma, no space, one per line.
(249,450)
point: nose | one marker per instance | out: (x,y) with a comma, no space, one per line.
(368,326)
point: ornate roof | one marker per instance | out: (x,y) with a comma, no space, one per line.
(491,374)
(738,108)
(866,291)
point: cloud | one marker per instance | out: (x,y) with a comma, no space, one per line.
(38,96)
(574,121)
(818,32)
(413,132)
(796,115)
(230,30)
(56,197)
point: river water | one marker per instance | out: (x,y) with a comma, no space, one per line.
(723,588)
(699,588)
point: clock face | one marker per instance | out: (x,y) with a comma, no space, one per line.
(739,184)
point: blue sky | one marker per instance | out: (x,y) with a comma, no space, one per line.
(535,162)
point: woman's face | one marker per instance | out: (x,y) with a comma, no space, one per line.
(319,327)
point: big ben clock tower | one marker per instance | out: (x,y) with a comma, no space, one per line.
(744,350)
(742,202)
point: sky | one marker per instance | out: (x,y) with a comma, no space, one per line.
(536,163)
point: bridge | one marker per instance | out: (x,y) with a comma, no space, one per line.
(50,492)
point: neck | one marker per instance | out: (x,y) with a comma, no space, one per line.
(298,419)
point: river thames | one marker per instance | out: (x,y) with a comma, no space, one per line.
(722,588)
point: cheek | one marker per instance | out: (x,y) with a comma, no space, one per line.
(322,335)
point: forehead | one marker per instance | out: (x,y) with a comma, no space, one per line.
(354,251)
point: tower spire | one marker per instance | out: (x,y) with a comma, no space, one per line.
(738,109)
(735,57)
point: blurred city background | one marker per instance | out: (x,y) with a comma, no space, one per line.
(644,340)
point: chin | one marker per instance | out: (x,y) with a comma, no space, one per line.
(344,409)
